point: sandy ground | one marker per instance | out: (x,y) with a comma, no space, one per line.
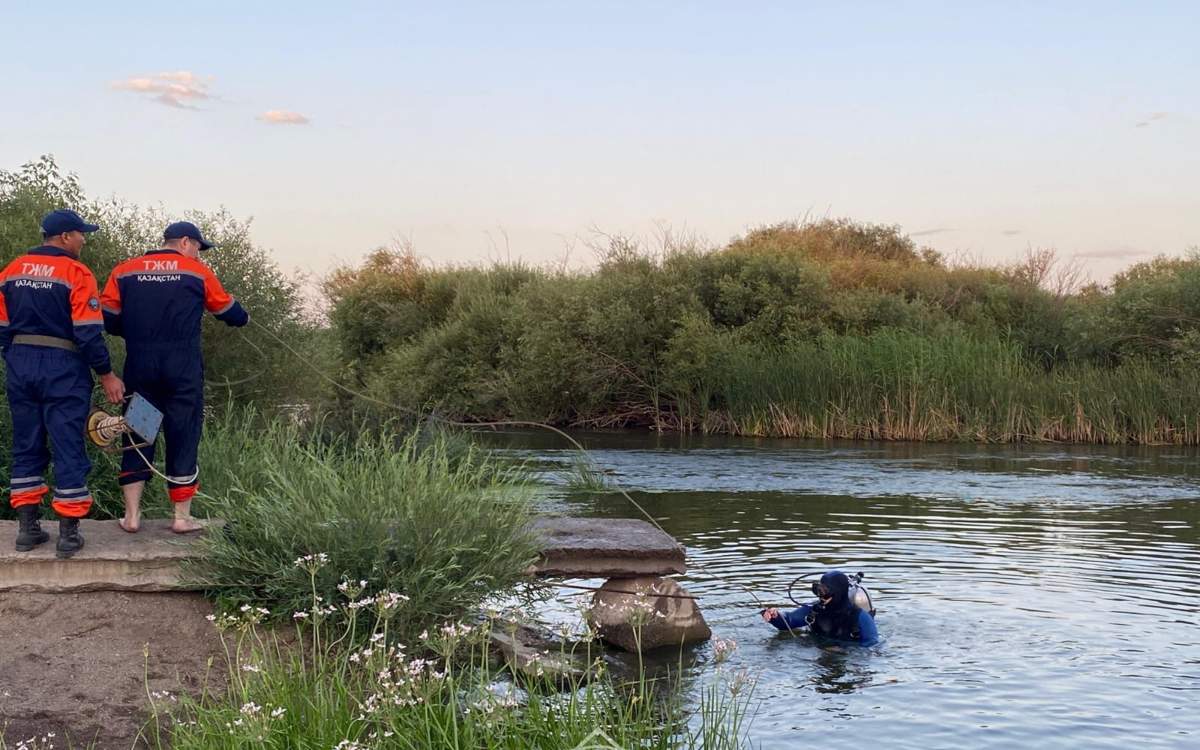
(74,664)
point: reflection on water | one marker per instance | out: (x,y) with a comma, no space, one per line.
(1041,597)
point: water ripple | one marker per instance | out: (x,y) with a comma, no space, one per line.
(1045,598)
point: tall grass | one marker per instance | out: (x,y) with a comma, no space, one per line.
(894,385)
(425,516)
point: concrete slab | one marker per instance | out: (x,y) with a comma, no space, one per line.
(151,559)
(111,560)
(605,548)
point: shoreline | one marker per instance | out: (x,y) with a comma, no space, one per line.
(726,427)
(84,665)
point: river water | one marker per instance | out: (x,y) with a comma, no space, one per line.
(1027,596)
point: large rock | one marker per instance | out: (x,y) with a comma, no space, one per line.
(605,548)
(647,612)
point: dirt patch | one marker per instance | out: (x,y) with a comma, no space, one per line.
(75,664)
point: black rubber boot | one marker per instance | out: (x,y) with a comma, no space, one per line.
(29,529)
(70,540)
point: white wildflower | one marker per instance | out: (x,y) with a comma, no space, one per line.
(312,563)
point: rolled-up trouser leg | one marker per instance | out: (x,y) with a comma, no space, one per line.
(65,404)
(135,464)
(29,455)
(183,423)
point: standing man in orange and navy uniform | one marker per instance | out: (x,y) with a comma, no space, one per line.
(50,331)
(156,301)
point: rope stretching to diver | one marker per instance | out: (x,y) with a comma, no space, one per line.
(478,425)
(452,423)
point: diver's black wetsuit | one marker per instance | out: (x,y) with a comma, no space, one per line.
(840,619)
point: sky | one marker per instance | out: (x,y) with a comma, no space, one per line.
(525,130)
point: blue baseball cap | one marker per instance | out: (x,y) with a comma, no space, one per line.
(181,229)
(65,220)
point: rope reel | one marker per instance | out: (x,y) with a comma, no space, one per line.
(103,429)
(140,420)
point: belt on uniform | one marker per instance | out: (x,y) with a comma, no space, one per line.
(34,339)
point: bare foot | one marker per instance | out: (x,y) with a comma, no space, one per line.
(132,521)
(186,525)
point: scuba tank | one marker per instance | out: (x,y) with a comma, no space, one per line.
(860,596)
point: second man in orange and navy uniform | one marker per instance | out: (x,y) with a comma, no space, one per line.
(156,302)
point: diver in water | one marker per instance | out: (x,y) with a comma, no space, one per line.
(834,615)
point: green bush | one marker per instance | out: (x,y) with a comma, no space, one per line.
(1151,310)
(428,517)
(830,329)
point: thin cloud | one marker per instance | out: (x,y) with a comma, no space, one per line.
(927,232)
(179,89)
(1152,117)
(283,117)
(1010,232)
(172,101)
(1112,252)
(185,77)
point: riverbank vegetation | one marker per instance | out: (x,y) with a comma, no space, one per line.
(347,680)
(830,329)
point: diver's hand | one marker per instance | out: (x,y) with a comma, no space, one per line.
(770,613)
(113,386)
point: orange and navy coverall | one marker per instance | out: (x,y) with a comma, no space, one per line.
(156,302)
(48,293)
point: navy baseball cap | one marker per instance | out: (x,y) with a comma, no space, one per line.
(64,220)
(181,229)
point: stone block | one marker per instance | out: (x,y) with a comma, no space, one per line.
(647,612)
(605,548)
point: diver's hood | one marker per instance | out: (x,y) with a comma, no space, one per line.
(838,584)
(847,591)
